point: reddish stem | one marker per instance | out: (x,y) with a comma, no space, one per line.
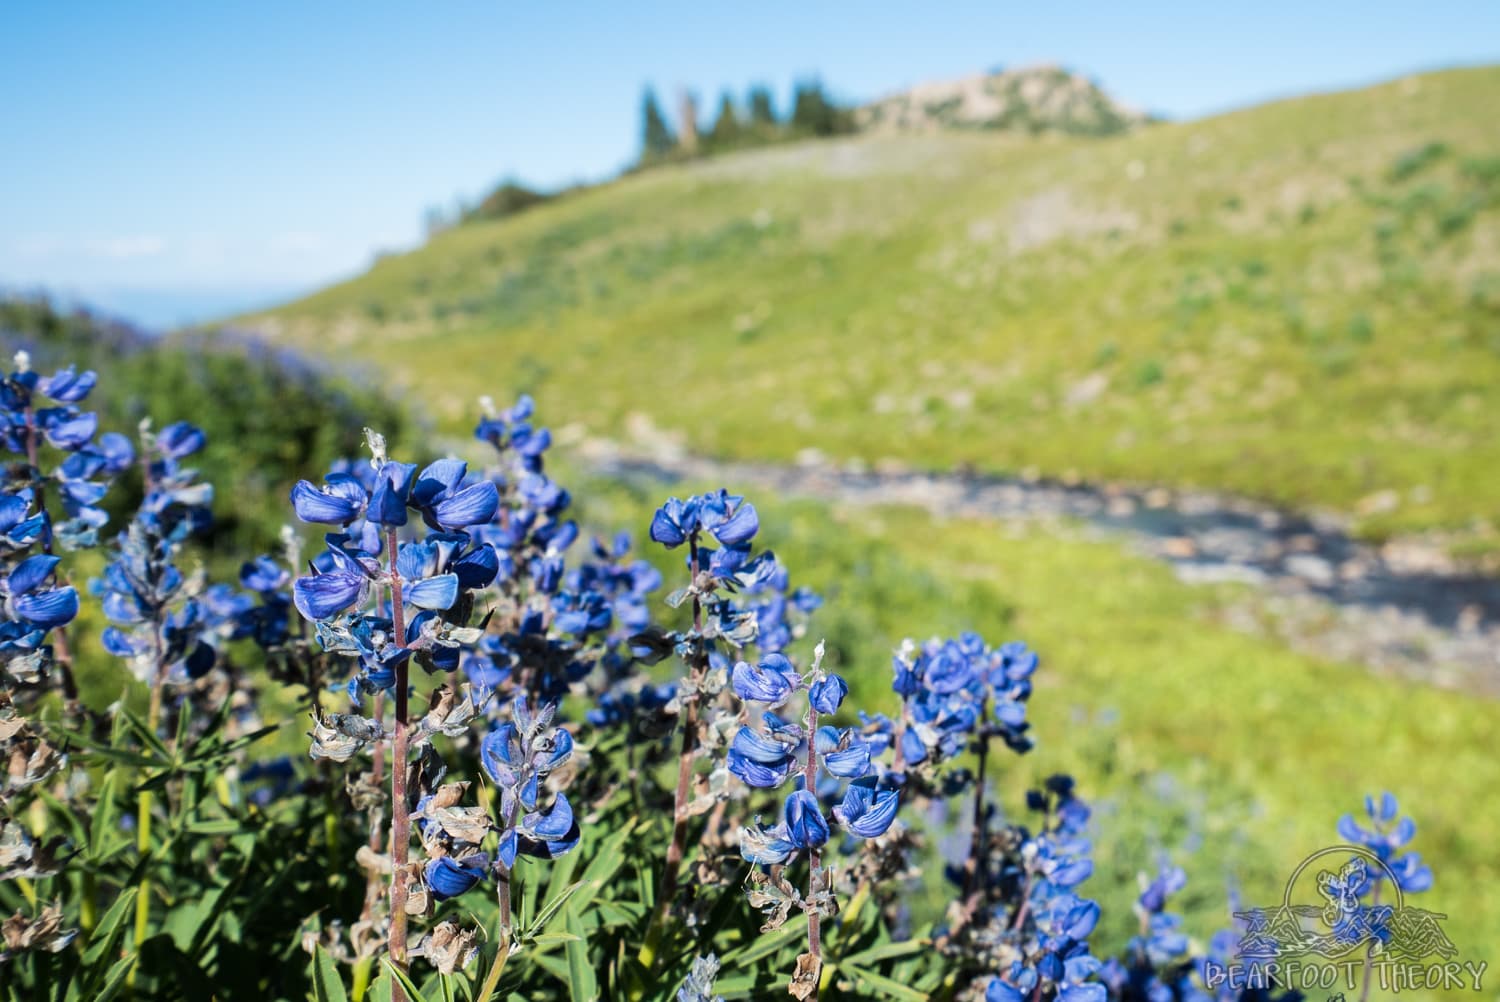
(400,809)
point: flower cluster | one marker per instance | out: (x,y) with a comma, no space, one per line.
(955,690)
(551,626)
(1034,925)
(1384,835)
(40,413)
(767,756)
(37,411)
(1157,965)
(434,577)
(518,756)
(165,624)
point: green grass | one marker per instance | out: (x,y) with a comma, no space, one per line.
(1298,302)
(1184,733)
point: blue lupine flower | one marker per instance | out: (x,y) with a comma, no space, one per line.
(517,756)
(167,627)
(805,825)
(867,809)
(447,877)
(1385,836)
(828,693)
(772,681)
(764,760)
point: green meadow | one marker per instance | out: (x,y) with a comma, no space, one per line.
(1298,302)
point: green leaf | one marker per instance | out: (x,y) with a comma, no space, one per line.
(550,911)
(115,979)
(108,931)
(400,976)
(582,986)
(147,735)
(219,826)
(764,946)
(749,986)
(887,951)
(885,986)
(552,939)
(327,985)
(380,989)
(103,822)
(602,867)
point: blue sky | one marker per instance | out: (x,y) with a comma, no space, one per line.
(173,161)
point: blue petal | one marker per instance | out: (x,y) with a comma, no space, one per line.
(757,683)
(117,450)
(805,824)
(72,432)
(766,846)
(505,852)
(867,811)
(1090,992)
(1002,991)
(30,573)
(740,527)
(477,569)
(763,777)
(436,593)
(828,693)
(665,530)
(759,748)
(550,848)
(387,506)
(448,879)
(494,755)
(313,505)
(179,440)
(117,642)
(555,824)
(13,508)
(323,596)
(851,763)
(473,505)
(55,607)
(440,477)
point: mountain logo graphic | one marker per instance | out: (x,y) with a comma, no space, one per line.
(1332,908)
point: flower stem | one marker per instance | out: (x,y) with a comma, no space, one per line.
(814,857)
(400,809)
(144,804)
(677,848)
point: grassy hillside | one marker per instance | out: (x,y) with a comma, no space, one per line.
(1299,301)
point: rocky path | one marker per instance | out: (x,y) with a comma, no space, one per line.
(1403,608)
